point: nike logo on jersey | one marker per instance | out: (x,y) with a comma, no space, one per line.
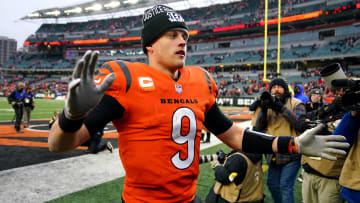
(146,83)
(97,81)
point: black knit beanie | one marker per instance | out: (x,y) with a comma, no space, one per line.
(281,82)
(157,20)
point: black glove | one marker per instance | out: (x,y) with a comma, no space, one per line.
(265,105)
(265,100)
(302,125)
(221,156)
(276,105)
(254,105)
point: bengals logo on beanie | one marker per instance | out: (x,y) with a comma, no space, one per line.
(157,20)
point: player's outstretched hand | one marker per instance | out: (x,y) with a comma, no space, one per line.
(311,144)
(83,94)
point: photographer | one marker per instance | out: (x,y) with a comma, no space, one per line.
(28,106)
(349,127)
(320,176)
(315,101)
(16,99)
(280,114)
(350,177)
(95,145)
(329,114)
(238,178)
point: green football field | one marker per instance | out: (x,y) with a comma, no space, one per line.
(44,109)
(111,191)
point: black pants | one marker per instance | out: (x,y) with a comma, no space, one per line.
(18,115)
(94,144)
(197,199)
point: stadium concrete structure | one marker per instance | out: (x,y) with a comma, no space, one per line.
(226,39)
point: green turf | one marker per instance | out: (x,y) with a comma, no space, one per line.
(111,191)
(44,109)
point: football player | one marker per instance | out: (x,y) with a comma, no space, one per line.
(159,111)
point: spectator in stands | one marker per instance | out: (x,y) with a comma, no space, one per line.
(159,110)
(299,93)
(281,117)
(16,99)
(29,105)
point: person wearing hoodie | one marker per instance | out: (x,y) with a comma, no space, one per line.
(16,99)
(299,93)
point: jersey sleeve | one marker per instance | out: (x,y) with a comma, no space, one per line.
(214,91)
(121,83)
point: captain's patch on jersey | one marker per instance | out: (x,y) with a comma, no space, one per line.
(146,83)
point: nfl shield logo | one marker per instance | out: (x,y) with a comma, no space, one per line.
(178,88)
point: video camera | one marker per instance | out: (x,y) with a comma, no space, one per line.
(351,97)
(266,99)
(335,78)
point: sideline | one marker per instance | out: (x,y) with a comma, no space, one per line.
(47,181)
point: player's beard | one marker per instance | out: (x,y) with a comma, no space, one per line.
(180,65)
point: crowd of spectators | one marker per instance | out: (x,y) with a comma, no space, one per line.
(44,84)
(21,60)
(243,12)
(237,85)
(230,84)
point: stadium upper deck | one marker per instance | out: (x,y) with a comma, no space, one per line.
(227,37)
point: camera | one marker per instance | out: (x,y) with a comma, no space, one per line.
(335,78)
(266,99)
(351,96)
(219,156)
(332,72)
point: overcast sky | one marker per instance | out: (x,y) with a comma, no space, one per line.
(12,10)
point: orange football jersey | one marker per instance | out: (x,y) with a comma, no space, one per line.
(159,134)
